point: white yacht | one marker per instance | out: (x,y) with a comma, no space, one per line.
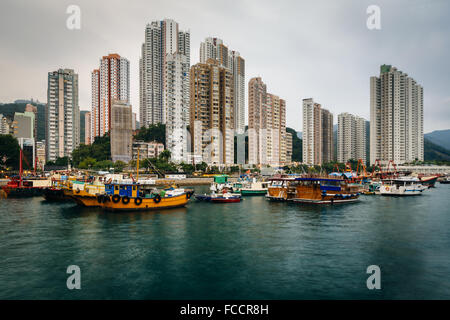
(403,186)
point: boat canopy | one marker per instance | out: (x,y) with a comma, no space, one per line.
(223,178)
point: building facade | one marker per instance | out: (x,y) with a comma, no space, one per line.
(62,114)
(5,125)
(267,135)
(109,83)
(87,128)
(351,138)
(121,131)
(162,38)
(213,48)
(317,133)
(147,149)
(40,154)
(24,125)
(176,106)
(396,117)
(212,113)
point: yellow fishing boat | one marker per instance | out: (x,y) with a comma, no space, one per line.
(118,203)
(87,195)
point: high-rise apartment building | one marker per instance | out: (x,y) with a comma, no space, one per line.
(176,105)
(109,83)
(351,138)
(267,125)
(121,131)
(213,48)
(87,128)
(23,125)
(396,117)
(317,133)
(40,154)
(5,125)
(62,114)
(327,136)
(212,113)
(33,109)
(162,38)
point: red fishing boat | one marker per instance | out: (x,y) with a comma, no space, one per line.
(225,198)
(18,187)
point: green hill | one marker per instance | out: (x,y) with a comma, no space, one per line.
(434,152)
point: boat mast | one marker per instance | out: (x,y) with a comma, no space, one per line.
(20,168)
(137,166)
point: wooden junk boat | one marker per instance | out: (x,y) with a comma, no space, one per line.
(133,197)
(313,189)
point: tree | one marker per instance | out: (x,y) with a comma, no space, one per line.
(155,132)
(99,150)
(9,151)
(119,166)
(62,161)
(165,155)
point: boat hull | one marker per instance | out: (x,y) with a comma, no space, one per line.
(147,203)
(329,201)
(409,191)
(55,195)
(429,182)
(248,192)
(22,192)
(225,200)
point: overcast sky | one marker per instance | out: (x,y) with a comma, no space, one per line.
(301,49)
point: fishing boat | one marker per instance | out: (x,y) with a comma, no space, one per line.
(225,198)
(429,181)
(203,197)
(256,188)
(56,191)
(28,187)
(20,187)
(313,189)
(139,197)
(446,180)
(402,186)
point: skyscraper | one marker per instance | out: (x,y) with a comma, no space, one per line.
(267,136)
(213,48)
(109,83)
(317,133)
(396,117)
(161,39)
(121,131)
(176,104)
(351,138)
(212,113)
(87,128)
(62,114)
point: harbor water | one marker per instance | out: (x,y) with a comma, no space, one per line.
(255,249)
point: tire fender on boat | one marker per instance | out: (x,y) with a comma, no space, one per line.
(115,198)
(125,200)
(157,198)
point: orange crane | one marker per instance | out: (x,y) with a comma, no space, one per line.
(377,163)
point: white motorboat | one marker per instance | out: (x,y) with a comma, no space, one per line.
(403,186)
